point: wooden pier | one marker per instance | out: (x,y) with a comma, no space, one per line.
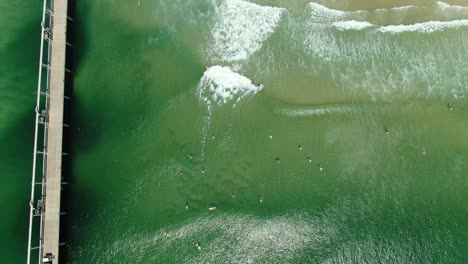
(55,131)
(51,116)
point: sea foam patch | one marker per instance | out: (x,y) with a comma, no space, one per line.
(323,13)
(383,63)
(322,41)
(352,25)
(426,27)
(447,7)
(439,11)
(220,85)
(241,28)
(320,13)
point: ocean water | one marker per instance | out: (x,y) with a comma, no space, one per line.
(231,131)
(19,49)
(266,131)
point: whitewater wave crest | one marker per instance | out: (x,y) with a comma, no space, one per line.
(220,85)
(241,28)
(352,25)
(438,11)
(321,13)
(426,27)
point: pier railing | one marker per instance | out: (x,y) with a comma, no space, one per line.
(36,203)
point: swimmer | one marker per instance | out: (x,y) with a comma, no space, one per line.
(320,167)
(450,106)
(198,246)
(422,151)
(277,160)
(186,205)
(387,131)
(270,135)
(300,146)
(261,198)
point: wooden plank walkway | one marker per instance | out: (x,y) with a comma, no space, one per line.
(55,131)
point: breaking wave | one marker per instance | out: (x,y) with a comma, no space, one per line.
(352,25)
(381,61)
(320,13)
(438,11)
(427,27)
(240,29)
(220,85)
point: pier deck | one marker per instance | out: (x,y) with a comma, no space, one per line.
(55,131)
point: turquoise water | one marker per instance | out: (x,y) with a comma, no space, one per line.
(20,27)
(270,132)
(267,131)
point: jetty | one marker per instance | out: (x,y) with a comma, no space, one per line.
(48,144)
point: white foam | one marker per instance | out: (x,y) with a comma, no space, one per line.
(443,5)
(400,8)
(324,14)
(220,85)
(440,12)
(314,111)
(321,12)
(388,68)
(448,12)
(352,25)
(426,27)
(241,28)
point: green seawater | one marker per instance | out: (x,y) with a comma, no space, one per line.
(302,171)
(354,150)
(19,49)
